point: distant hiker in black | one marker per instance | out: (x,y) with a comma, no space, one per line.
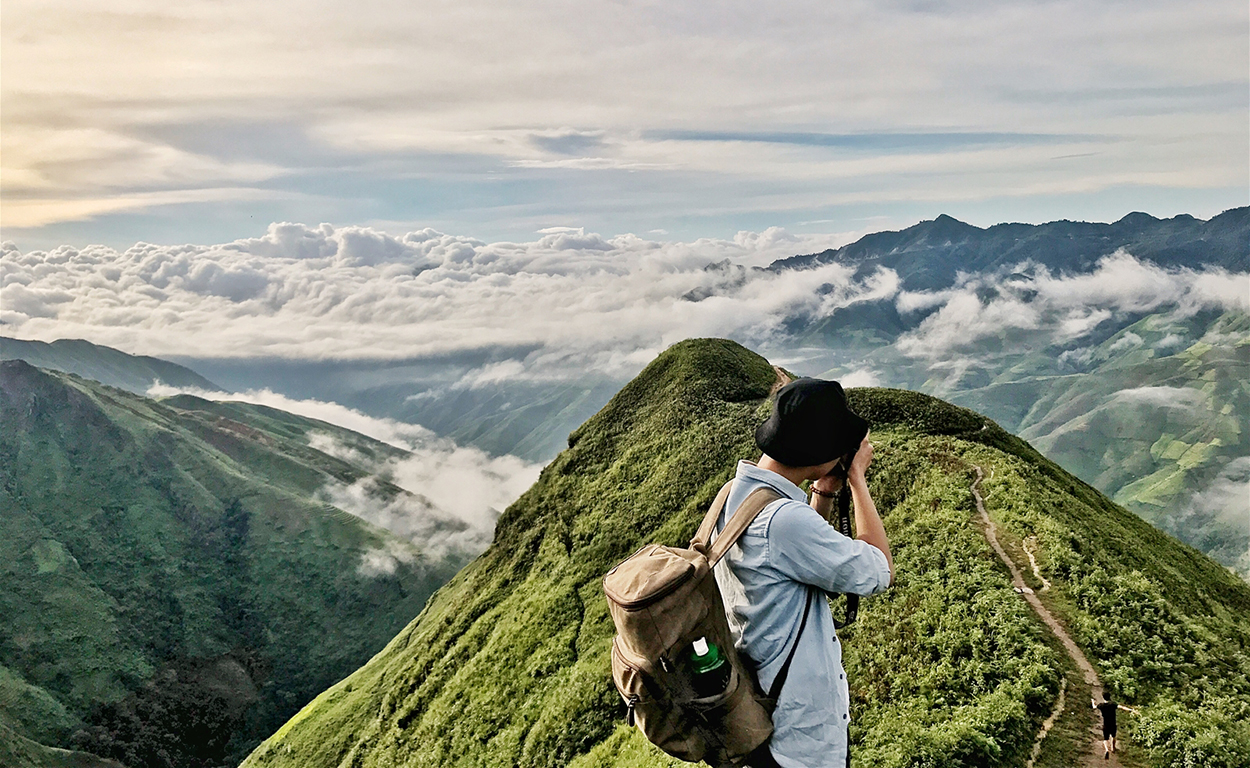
(1107,708)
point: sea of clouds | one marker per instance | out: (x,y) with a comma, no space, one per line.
(574,301)
(321,292)
(986,316)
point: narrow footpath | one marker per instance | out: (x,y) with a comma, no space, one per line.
(1092,755)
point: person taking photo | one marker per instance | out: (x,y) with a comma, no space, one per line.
(774,579)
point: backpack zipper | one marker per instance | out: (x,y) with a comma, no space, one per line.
(668,589)
(630,703)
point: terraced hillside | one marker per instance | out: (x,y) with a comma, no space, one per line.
(171,585)
(508,664)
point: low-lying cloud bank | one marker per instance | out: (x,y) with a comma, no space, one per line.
(578,301)
(1033,304)
(451,494)
(320,292)
(1221,512)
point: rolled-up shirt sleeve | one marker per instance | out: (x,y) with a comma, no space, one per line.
(806,548)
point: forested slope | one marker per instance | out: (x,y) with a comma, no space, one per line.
(171,586)
(508,664)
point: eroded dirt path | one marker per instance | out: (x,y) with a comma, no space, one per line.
(1092,754)
(1049,723)
(1033,562)
(782,379)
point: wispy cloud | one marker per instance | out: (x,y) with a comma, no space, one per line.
(450,495)
(115,107)
(1220,509)
(1163,397)
(1035,306)
(885,142)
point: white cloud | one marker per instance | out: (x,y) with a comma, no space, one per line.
(1226,503)
(1075,359)
(452,494)
(1079,322)
(1042,308)
(581,301)
(1170,342)
(860,378)
(397,433)
(1163,397)
(1229,495)
(383,561)
(432,532)
(1129,340)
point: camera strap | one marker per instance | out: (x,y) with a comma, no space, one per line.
(844,527)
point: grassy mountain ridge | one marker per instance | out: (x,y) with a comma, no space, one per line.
(508,663)
(172,589)
(134,373)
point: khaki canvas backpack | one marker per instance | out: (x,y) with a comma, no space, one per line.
(662,599)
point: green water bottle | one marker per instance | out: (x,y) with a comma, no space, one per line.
(711,669)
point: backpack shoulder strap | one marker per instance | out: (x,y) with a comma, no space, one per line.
(742,517)
(780,680)
(704,534)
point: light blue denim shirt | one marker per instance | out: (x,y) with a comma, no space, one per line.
(764,580)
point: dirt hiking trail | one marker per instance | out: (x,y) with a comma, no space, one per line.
(1092,754)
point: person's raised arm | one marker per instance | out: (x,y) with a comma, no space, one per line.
(868,526)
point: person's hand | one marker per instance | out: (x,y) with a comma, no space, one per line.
(859,465)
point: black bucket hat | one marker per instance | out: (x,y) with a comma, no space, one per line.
(810,424)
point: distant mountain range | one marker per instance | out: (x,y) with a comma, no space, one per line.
(929,255)
(509,663)
(174,579)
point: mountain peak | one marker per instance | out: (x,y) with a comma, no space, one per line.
(721,367)
(1137,219)
(947,227)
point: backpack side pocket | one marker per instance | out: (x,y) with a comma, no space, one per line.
(648,706)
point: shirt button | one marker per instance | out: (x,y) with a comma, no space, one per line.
(844,717)
(841,676)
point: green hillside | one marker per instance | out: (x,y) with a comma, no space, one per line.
(172,589)
(508,664)
(1152,421)
(134,373)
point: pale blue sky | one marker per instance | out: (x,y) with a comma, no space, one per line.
(133,120)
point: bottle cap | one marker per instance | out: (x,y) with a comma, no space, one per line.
(700,646)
